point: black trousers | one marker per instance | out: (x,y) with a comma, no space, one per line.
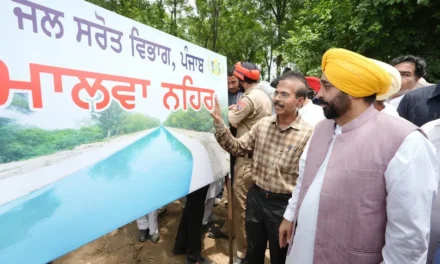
(190,228)
(264,214)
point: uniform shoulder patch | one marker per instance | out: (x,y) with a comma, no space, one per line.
(240,105)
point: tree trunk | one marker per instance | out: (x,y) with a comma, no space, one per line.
(215,15)
(279,56)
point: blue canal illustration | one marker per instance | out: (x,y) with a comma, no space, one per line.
(93,201)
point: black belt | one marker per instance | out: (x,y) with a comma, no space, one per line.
(249,155)
(273,196)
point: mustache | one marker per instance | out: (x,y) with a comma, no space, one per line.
(324,102)
(277,103)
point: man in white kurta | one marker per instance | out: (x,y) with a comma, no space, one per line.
(415,165)
(432,131)
(311,113)
(412,173)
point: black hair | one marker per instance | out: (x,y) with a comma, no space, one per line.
(370,99)
(419,62)
(294,75)
(311,94)
(231,71)
(274,83)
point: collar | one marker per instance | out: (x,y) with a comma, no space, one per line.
(296,124)
(250,88)
(435,92)
(360,120)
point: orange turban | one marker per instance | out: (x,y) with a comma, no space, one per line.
(314,83)
(355,74)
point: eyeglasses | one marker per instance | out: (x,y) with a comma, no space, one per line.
(283,95)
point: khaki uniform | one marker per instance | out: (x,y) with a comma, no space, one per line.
(251,107)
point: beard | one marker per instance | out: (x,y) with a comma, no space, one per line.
(234,90)
(240,86)
(337,107)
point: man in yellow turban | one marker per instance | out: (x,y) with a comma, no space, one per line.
(364,177)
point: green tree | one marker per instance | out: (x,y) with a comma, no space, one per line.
(135,122)
(380,29)
(146,12)
(110,120)
(192,120)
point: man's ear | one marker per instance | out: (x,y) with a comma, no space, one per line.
(301,101)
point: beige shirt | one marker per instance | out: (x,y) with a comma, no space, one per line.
(251,107)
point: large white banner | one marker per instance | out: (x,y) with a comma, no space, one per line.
(102,120)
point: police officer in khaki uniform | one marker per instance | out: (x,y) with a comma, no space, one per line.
(253,105)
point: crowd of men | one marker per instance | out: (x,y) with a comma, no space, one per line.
(339,169)
(337,174)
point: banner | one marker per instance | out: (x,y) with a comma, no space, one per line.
(102,120)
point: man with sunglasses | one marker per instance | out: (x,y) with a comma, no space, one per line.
(253,105)
(276,143)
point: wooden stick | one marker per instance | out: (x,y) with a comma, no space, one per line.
(230,218)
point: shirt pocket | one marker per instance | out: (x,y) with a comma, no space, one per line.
(289,160)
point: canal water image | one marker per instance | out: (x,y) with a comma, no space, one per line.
(151,172)
(94,134)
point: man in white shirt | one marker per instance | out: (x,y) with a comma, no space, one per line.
(366,180)
(309,111)
(411,69)
(432,131)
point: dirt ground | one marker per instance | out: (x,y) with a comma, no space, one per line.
(122,247)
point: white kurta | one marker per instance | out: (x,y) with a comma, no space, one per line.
(396,101)
(432,130)
(311,113)
(149,221)
(411,180)
(390,109)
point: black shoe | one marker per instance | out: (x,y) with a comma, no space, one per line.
(215,233)
(206,228)
(162,212)
(143,235)
(178,251)
(200,260)
(154,238)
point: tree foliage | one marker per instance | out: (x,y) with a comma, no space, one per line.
(382,29)
(19,142)
(276,33)
(193,120)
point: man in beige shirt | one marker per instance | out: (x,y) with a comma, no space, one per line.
(253,105)
(276,143)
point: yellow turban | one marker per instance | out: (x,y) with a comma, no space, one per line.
(355,74)
(396,80)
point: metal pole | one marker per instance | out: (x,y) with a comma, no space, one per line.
(230,219)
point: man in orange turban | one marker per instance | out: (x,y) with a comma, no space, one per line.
(364,177)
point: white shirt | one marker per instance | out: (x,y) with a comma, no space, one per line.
(411,181)
(390,109)
(311,113)
(432,130)
(396,101)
